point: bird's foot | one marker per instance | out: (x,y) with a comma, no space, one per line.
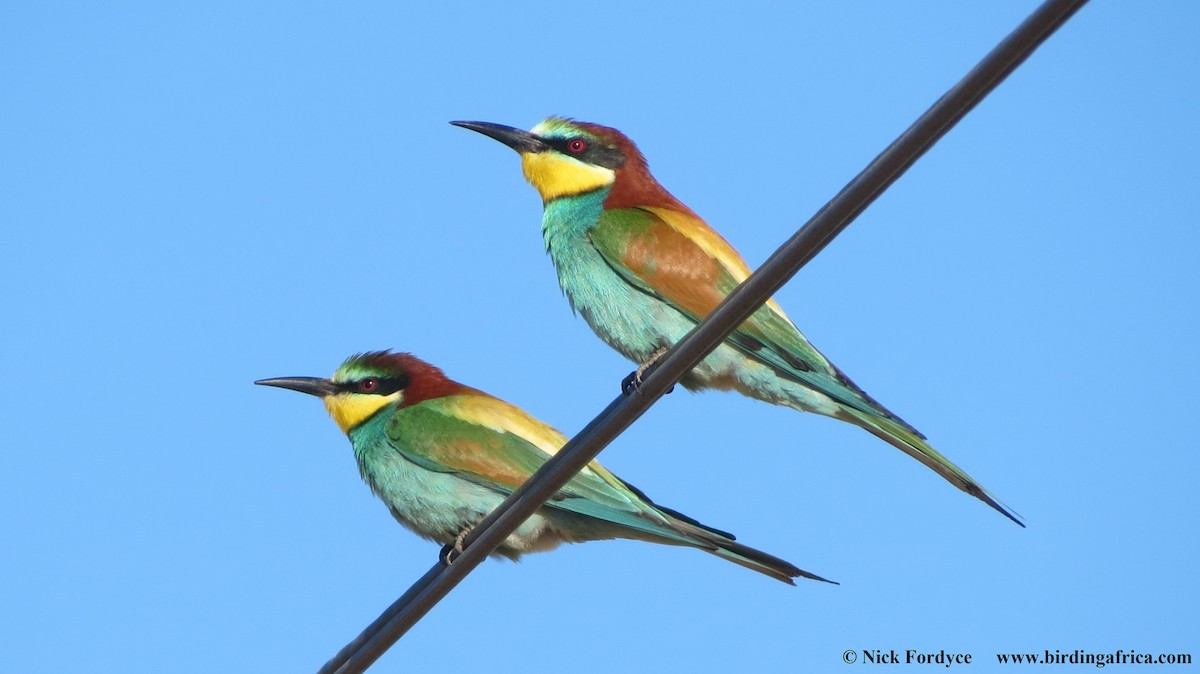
(452,551)
(634,381)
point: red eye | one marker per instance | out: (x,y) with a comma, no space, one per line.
(368,385)
(576,145)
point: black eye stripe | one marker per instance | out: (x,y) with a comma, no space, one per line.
(384,386)
(594,152)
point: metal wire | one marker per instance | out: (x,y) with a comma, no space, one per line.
(828,222)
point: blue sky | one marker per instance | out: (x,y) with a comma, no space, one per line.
(195,197)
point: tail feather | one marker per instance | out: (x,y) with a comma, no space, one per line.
(913,444)
(762,562)
(744,555)
(656,524)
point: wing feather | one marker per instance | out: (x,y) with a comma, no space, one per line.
(678,258)
(498,445)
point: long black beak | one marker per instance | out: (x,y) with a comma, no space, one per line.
(521,141)
(310,385)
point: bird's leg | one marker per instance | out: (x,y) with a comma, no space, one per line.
(634,381)
(452,551)
(650,362)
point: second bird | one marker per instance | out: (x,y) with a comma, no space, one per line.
(442,455)
(642,269)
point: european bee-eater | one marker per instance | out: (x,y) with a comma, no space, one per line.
(442,455)
(642,268)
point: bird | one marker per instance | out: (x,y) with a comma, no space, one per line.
(442,455)
(643,269)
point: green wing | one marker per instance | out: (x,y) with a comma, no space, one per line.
(680,260)
(491,443)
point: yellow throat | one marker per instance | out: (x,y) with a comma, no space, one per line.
(351,409)
(557,175)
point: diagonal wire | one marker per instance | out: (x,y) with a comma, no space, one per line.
(828,222)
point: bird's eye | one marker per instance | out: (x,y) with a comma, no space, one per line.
(368,385)
(576,145)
